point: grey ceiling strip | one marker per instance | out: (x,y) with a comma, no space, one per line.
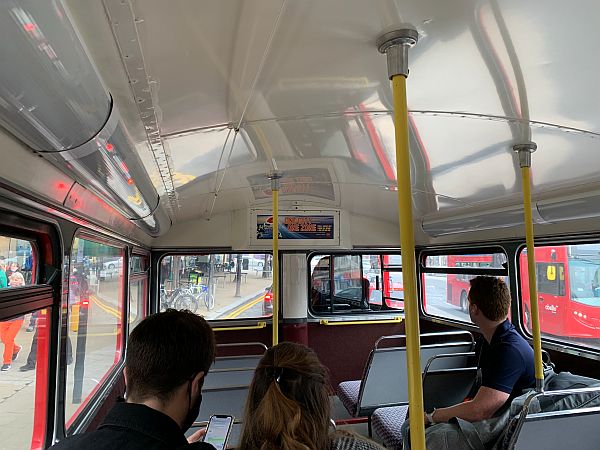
(124,23)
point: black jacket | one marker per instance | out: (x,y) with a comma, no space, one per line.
(136,427)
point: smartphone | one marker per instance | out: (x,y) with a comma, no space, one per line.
(217,433)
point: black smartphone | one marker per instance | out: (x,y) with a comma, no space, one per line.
(217,432)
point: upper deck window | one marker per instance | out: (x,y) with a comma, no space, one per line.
(446,281)
(218,286)
(568,285)
(355,283)
(96,305)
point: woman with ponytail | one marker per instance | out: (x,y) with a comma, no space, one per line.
(288,405)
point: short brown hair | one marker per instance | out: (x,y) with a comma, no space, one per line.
(491,295)
(165,350)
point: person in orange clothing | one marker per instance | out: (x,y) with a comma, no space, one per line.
(10,328)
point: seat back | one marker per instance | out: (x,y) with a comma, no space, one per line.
(227,383)
(236,362)
(558,418)
(227,378)
(561,429)
(443,388)
(231,401)
(385,381)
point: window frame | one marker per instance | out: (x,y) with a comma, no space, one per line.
(561,344)
(46,242)
(84,414)
(134,277)
(158,256)
(385,311)
(460,251)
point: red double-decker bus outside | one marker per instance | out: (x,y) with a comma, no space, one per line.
(568,283)
(458,284)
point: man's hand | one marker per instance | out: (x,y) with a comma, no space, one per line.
(197,436)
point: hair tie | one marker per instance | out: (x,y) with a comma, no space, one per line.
(277,372)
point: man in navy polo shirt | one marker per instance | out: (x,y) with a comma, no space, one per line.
(506,361)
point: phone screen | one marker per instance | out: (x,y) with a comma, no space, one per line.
(218,431)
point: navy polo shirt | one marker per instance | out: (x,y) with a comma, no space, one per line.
(507,362)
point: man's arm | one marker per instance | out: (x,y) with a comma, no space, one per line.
(483,406)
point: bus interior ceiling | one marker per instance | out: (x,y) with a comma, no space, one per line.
(155,126)
(328,127)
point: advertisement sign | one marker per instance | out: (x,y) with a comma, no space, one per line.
(296,226)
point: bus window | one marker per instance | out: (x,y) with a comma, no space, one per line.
(568,283)
(138,294)
(218,286)
(24,386)
(446,281)
(139,264)
(95,305)
(548,279)
(16,256)
(138,290)
(350,283)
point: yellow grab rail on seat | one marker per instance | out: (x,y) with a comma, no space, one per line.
(243,327)
(359,322)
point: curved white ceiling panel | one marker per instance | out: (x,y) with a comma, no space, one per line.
(551,41)
(563,158)
(313,92)
(203,56)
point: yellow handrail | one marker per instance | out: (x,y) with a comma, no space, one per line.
(243,327)
(407,244)
(275,190)
(533,296)
(359,322)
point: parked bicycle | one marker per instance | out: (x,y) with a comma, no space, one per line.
(179,298)
(202,291)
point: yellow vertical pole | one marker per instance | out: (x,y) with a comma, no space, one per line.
(409,277)
(275,191)
(525,151)
(395,45)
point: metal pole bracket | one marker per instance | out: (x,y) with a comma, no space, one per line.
(395,44)
(274,177)
(524,151)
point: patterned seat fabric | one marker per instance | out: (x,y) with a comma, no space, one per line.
(348,394)
(387,423)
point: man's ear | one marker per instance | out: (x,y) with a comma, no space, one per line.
(197,383)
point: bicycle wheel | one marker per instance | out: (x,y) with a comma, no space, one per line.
(186,301)
(209,300)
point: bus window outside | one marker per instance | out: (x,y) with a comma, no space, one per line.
(356,283)
(138,290)
(17,259)
(218,286)
(95,305)
(24,386)
(568,283)
(445,295)
(138,293)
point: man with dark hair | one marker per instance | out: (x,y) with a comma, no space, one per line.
(506,359)
(168,355)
